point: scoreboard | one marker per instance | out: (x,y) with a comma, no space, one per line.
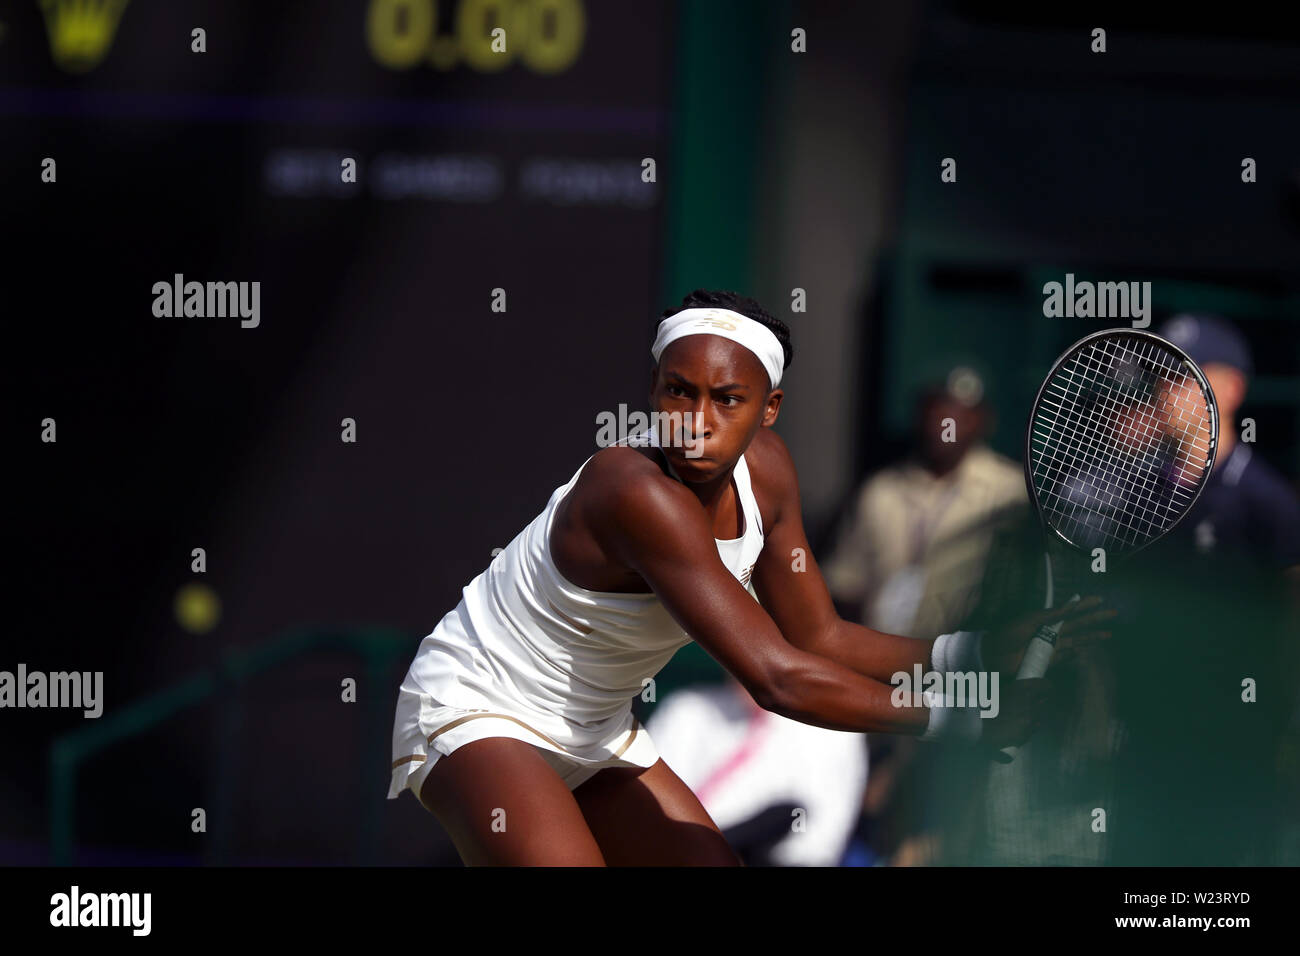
(402,34)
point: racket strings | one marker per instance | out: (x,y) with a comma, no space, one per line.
(1121,440)
(1119,494)
(1101,483)
(1112,475)
(1143,437)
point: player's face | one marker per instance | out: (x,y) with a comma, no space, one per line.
(712,395)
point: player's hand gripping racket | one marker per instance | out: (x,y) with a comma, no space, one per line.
(1120,442)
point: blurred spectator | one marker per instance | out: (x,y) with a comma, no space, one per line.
(911,550)
(784,793)
(1246,510)
(909,559)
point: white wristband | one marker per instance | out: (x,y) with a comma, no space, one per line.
(947,720)
(958,651)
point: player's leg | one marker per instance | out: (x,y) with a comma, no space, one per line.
(649,817)
(503,805)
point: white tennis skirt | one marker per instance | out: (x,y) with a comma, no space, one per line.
(424,729)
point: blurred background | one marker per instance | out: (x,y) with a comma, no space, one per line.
(805,176)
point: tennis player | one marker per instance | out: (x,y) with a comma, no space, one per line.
(514,724)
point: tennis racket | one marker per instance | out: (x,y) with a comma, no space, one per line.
(1120,443)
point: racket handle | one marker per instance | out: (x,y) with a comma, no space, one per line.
(1037,656)
(1039,652)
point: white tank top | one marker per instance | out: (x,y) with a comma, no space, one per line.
(523,635)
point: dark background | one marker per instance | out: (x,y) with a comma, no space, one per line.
(775,170)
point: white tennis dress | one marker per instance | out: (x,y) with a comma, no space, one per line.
(529,655)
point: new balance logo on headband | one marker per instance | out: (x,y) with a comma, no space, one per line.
(718,323)
(741,329)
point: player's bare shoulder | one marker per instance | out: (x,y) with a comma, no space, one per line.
(605,513)
(620,481)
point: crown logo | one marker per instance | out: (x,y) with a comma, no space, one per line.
(81,31)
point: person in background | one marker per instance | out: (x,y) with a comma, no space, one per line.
(1247,510)
(783,793)
(910,557)
(910,552)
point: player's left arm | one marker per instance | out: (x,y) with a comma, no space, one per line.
(790,586)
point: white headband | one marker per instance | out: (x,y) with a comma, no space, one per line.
(755,336)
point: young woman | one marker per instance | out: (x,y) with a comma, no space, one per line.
(514,724)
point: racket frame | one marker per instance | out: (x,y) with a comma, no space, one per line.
(1188,366)
(1054,536)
